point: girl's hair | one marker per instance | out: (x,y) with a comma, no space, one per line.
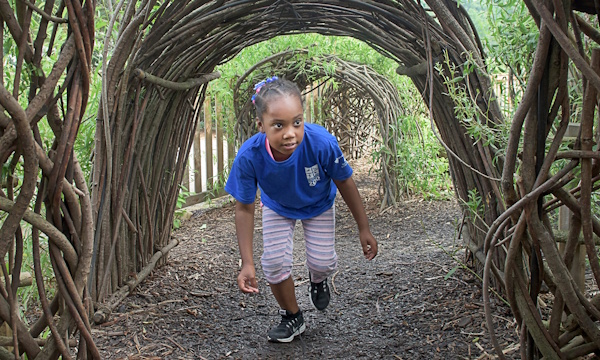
(272,88)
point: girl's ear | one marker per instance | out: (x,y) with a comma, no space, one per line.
(259,125)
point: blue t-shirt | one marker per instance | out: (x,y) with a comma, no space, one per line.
(299,187)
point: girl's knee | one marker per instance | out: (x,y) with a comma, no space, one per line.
(326,265)
(276,267)
(320,272)
(275,276)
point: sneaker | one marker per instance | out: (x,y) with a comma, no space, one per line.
(319,294)
(290,326)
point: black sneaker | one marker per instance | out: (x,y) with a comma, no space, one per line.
(319,294)
(290,326)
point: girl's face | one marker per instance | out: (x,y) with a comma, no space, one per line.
(283,123)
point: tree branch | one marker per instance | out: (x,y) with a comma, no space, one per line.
(47,228)
(177,86)
(44,14)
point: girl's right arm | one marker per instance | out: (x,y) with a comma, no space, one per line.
(244,228)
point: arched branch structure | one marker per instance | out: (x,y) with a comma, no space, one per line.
(361,104)
(146,127)
(351,116)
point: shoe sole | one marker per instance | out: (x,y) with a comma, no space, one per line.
(289,339)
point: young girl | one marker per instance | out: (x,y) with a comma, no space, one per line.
(297,167)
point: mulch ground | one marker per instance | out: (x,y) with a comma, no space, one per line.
(413,301)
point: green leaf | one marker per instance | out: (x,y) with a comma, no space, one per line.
(451,272)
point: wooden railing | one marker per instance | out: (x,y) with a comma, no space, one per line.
(209,161)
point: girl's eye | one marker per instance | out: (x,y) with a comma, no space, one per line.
(277,125)
(298,122)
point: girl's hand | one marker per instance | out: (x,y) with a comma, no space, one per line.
(369,244)
(247,279)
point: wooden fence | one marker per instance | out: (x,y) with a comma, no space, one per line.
(208,161)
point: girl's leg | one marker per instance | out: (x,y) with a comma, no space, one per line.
(319,234)
(278,237)
(285,294)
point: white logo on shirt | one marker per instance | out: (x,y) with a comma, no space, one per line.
(337,161)
(312,175)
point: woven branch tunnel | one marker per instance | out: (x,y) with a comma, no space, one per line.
(152,90)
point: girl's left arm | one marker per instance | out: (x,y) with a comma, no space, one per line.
(352,198)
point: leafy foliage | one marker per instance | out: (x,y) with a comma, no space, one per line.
(466,110)
(512,37)
(422,165)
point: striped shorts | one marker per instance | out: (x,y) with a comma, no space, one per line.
(278,244)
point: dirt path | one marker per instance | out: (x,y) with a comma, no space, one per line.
(405,304)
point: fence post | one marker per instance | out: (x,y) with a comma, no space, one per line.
(230,150)
(219,125)
(208,143)
(186,177)
(314,118)
(197,160)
